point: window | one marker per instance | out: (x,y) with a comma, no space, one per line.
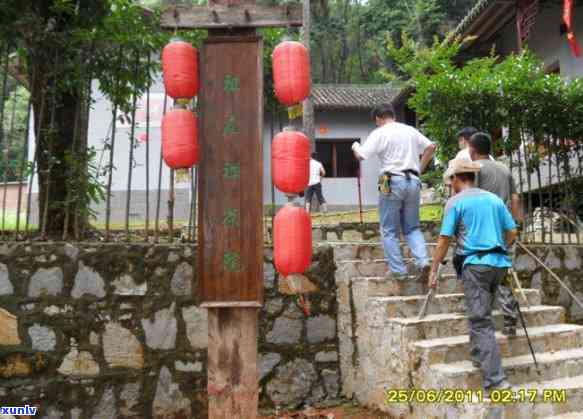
(337,157)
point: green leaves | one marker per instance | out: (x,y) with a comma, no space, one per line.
(489,94)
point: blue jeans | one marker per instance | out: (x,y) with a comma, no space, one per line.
(399,211)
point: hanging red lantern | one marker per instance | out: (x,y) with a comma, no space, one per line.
(180,69)
(291,72)
(292,240)
(290,161)
(180,139)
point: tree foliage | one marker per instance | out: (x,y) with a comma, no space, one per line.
(536,117)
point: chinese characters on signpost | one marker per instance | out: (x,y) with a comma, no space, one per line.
(231,235)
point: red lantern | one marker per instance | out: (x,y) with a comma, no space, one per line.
(291,72)
(290,161)
(180,69)
(180,139)
(292,240)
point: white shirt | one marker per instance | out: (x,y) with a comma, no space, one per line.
(315,176)
(398,147)
(465,154)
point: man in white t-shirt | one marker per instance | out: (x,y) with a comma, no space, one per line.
(404,153)
(463,139)
(315,183)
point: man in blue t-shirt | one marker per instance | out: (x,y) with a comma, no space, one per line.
(484,230)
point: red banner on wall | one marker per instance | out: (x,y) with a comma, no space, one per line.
(568,6)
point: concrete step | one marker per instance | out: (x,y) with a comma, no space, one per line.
(373,250)
(382,287)
(549,338)
(436,326)
(409,306)
(519,370)
(378,267)
(549,403)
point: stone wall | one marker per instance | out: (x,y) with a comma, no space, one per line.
(113,331)
(567,262)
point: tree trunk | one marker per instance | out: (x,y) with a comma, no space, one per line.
(61,137)
(308,105)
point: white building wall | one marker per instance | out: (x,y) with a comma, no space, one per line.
(546,40)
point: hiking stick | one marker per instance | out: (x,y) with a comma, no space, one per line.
(359,192)
(527,337)
(519,286)
(554,275)
(429,295)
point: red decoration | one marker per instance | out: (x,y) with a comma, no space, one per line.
(180,139)
(291,72)
(568,21)
(290,161)
(292,240)
(180,69)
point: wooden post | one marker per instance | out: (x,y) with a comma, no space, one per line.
(231,217)
(230,233)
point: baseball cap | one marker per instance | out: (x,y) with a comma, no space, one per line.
(457,166)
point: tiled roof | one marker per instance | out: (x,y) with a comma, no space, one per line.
(470,18)
(353,96)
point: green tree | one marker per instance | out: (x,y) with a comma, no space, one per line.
(61,45)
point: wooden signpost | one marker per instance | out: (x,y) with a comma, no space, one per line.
(230,240)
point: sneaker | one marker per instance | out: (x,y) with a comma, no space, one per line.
(503,385)
(509,331)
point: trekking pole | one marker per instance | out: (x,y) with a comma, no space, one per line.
(554,275)
(519,286)
(527,337)
(429,295)
(359,193)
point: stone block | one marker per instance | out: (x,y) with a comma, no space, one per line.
(331,382)
(292,383)
(8,329)
(15,365)
(43,338)
(6,287)
(273,305)
(126,285)
(53,413)
(285,331)
(46,282)
(573,258)
(88,282)
(553,261)
(121,348)
(129,398)
(196,320)
(161,332)
(181,283)
(106,408)
(169,401)
(267,362)
(327,356)
(269,275)
(188,366)
(321,328)
(79,364)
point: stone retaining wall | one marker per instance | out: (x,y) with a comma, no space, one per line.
(113,331)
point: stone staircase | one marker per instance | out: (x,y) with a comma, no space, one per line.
(384,345)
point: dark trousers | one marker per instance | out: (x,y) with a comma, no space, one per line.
(315,189)
(480,286)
